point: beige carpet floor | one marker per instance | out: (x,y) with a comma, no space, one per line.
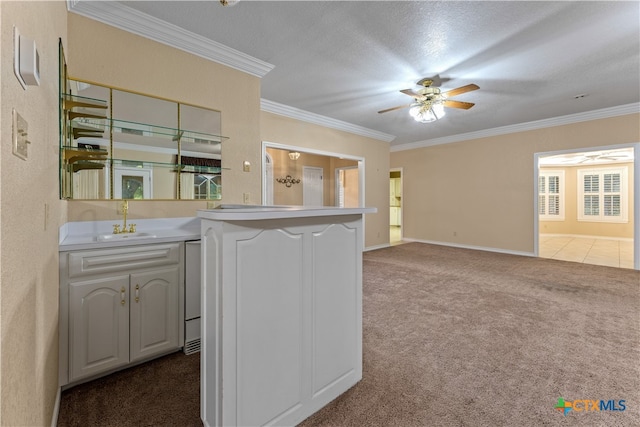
(452,337)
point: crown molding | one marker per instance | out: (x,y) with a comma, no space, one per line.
(305,116)
(604,113)
(130,20)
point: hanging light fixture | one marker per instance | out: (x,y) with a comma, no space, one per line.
(294,155)
(425,112)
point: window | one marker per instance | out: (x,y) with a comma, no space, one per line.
(551,195)
(602,195)
(206,187)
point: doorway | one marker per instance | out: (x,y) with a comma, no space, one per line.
(586,206)
(284,182)
(395,206)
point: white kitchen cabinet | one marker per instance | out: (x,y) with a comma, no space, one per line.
(119,306)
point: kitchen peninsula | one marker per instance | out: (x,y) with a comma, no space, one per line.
(281,309)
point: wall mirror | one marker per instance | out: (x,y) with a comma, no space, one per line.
(116,144)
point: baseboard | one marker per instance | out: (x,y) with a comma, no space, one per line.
(477,248)
(373,248)
(585,236)
(56,408)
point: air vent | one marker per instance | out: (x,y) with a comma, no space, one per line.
(191,347)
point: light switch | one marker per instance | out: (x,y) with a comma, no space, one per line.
(246,166)
(19,135)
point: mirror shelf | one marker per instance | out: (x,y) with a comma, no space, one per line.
(116,144)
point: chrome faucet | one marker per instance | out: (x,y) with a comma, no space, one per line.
(132,227)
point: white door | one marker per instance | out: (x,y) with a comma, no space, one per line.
(312,183)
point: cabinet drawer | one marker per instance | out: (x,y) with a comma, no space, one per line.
(85,263)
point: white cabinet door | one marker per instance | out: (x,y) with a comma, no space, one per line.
(154,312)
(99,325)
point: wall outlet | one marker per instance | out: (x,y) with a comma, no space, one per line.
(211,204)
(245,198)
(246,166)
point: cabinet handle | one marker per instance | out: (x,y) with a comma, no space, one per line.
(122,295)
(137,293)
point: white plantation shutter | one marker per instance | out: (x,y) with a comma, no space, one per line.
(612,194)
(551,195)
(602,195)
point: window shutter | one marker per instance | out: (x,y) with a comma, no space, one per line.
(603,195)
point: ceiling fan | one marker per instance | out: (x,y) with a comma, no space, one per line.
(605,156)
(429,101)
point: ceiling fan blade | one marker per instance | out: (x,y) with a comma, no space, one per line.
(462,89)
(394,108)
(412,93)
(458,104)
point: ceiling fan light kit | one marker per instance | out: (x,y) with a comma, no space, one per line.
(430,101)
(426,112)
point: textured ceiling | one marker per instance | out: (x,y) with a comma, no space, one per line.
(348,60)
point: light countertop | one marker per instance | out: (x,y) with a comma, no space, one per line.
(248,213)
(99,234)
(85,234)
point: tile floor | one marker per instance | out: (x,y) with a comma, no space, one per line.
(587,250)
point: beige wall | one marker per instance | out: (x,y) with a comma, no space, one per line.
(103,54)
(480,192)
(30,214)
(571,225)
(287,131)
